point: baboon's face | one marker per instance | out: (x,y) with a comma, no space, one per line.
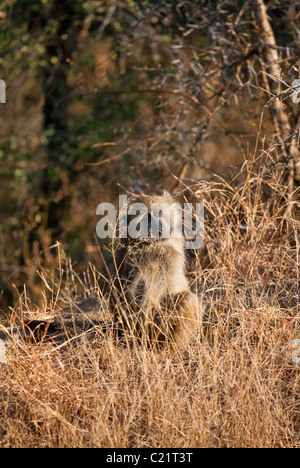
(159,217)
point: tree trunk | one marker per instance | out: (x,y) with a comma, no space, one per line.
(59,45)
(280,118)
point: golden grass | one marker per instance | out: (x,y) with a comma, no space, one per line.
(235,386)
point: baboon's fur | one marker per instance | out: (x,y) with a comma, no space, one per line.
(151,300)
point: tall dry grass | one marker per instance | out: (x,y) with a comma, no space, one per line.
(235,386)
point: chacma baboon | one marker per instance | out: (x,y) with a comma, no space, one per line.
(151,300)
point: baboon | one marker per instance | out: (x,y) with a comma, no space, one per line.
(151,301)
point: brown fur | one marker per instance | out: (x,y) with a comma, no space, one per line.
(151,300)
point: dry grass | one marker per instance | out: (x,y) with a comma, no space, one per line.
(235,386)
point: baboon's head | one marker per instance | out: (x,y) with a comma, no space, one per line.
(155,217)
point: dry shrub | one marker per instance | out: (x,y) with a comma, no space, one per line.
(235,386)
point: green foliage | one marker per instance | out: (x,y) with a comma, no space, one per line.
(104,93)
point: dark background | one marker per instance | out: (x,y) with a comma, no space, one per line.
(105,97)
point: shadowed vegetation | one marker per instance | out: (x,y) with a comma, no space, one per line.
(110,97)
